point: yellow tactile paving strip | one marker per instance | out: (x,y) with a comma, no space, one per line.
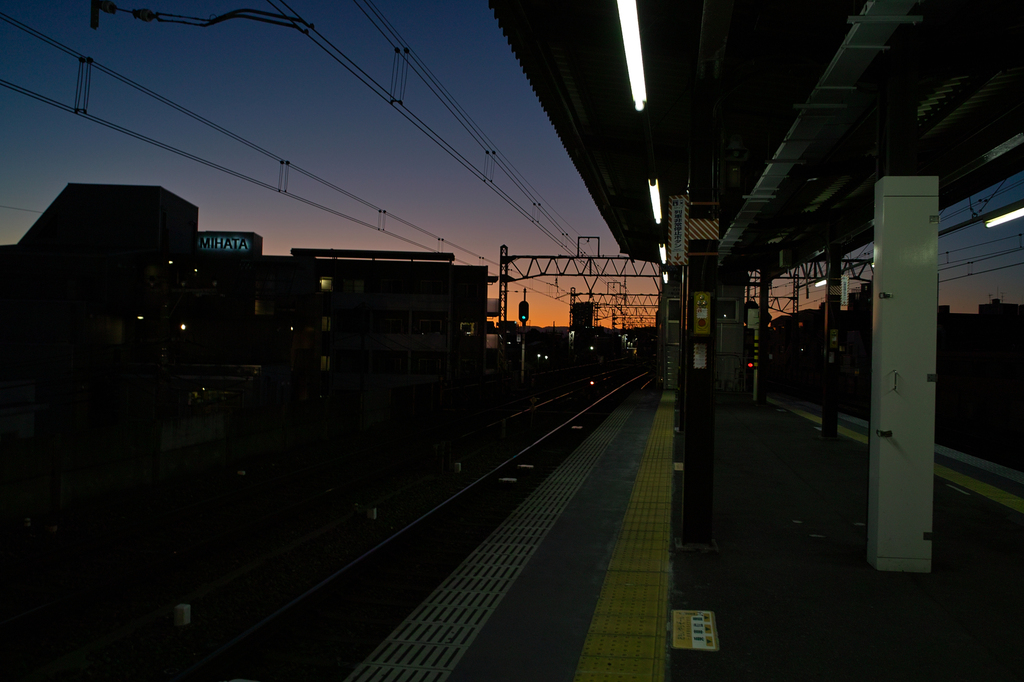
(990,491)
(626,640)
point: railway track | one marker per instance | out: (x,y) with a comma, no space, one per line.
(75,599)
(333,627)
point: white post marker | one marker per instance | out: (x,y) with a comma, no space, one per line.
(694,630)
(182,614)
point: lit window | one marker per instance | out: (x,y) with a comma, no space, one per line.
(325,363)
(325,323)
(326,284)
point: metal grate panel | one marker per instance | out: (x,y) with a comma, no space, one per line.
(428,645)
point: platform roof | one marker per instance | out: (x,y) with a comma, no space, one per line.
(797,80)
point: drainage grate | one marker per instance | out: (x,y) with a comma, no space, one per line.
(428,645)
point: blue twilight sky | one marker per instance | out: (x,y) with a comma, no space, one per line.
(276,88)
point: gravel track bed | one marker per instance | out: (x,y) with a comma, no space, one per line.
(130,635)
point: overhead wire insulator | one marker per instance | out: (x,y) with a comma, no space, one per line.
(83,85)
(399,75)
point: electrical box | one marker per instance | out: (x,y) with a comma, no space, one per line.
(702,313)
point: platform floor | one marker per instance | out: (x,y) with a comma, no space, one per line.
(582,582)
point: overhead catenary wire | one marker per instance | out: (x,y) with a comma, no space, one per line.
(391,34)
(981,272)
(256,147)
(201,119)
(449,103)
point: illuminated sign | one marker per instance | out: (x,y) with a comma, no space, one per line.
(229,244)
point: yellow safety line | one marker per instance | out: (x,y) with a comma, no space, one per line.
(626,640)
(990,491)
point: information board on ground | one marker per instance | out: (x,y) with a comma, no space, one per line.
(694,630)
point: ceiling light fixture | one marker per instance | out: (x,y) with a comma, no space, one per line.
(664,277)
(630,25)
(819,283)
(663,253)
(656,201)
(1012,215)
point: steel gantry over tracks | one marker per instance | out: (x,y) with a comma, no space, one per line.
(589,268)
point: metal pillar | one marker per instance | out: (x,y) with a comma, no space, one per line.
(503,310)
(761,337)
(699,399)
(902,437)
(831,358)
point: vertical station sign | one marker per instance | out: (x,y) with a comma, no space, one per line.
(680,211)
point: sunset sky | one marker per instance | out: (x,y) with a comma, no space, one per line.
(275,88)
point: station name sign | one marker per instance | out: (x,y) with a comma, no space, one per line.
(229,244)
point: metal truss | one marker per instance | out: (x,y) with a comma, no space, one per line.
(589,268)
(805,275)
(627,317)
(624,299)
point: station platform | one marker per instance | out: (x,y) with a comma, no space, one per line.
(584,582)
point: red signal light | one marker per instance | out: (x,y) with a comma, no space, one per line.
(591,383)
(750,364)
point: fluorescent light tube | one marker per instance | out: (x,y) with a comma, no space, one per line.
(630,26)
(820,283)
(1012,215)
(664,277)
(663,252)
(656,201)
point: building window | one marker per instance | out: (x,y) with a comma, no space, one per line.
(390,362)
(431,286)
(325,323)
(467,328)
(351,361)
(428,366)
(325,363)
(392,325)
(326,284)
(352,286)
(391,286)
(352,321)
(264,307)
(430,326)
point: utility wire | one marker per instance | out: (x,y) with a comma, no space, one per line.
(248,143)
(971,274)
(1017,236)
(391,34)
(968,207)
(345,61)
(978,259)
(168,102)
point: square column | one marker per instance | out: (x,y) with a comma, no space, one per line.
(902,433)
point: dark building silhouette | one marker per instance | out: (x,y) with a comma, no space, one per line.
(116,308)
